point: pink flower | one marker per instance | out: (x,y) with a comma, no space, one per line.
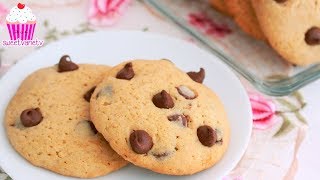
(3,13)
(263,111)
(106,12)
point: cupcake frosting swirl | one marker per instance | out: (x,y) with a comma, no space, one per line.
(18,15)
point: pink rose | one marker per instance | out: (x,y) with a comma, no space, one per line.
(106,12)
(263,111)
(3,13)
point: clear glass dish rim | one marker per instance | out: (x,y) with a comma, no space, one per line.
(280,87)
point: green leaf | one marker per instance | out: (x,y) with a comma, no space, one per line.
(75,31)
(288,104)
(87,29)
(286,126)
(83,24)
(145,29)
(299,98)
(8,178)
(90,29)
(46,23)
(52,31)
(65,33)
(300,117)
(50,37)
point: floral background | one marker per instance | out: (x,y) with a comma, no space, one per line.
(279,123)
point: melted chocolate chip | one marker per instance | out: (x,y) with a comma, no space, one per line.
(206,135)
(140,141)
(65,64)
(186,92)
(88,94)
(126,72)
(312,36)
(197,76)
(179,118)
(163,100)
(93,128)
(31,117)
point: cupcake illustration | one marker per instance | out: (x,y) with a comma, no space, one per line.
(21,22)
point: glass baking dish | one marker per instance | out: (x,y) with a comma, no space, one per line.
(253,59)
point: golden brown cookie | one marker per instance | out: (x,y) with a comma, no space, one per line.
(292,28)
(245,17)
(220,6)
(160,118)
(48,122)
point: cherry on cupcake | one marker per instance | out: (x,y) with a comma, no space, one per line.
(21,6)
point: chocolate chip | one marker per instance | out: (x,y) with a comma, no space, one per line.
(163,100)
(160,155)
(186,92)
(140,141)
(179,118)
(126,73)
(197,76)
(312,36)
(31,117)
(206,135)
(65,64)
(93,128)
(87,95)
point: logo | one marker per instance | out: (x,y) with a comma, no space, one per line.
(21,24)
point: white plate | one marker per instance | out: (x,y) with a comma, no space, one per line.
(111,48)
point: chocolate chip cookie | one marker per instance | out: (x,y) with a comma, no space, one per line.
(160,118)
(292,28)
(48,122)
(245,17)
(220,6)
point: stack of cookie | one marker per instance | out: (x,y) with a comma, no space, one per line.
(291,27)
(90,120)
